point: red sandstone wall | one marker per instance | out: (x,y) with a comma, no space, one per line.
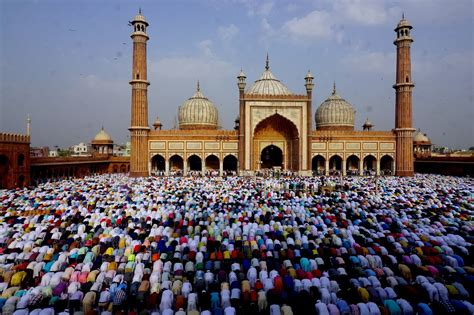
(14,171)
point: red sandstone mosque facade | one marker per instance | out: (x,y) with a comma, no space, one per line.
(273,129)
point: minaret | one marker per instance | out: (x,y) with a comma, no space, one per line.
(28,126)
(309,85)
(139,122)
(403,101)
(241,85)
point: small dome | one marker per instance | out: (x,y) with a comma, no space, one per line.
(335,113)
(198,113)
(420,137)
(367,124)
(140,18)
(268,84)
(157,121)
(102,137)
(403,23)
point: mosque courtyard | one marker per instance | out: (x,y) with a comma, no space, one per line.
(111,244)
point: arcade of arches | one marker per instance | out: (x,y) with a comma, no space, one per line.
(276,144)
(352,165)
(66,168)
(193,163)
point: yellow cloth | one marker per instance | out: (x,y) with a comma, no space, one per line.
(17,278)
(122,243)
(364,294)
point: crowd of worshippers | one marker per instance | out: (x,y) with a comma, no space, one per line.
(111,244)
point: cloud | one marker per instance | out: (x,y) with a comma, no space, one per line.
(331,21)
(365,12)
(370,61)
(205,47)
(317,24)
(191,67)
(267,29)
(226,33)
(427,11)
(458,64)
(257,7)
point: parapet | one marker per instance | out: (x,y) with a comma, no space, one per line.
(14,137)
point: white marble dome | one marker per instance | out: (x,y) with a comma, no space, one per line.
(268,84)
(102,137)
(140,18)
(335,113)
(420,137)
(198,113)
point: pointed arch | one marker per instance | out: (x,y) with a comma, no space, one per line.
(370,164)
(280,132)
(387,165)
(335,165)
(195,163)
(157,164)
(212,162)
(176,164)
(20,160)
(3,171)
(230,163)
(271,157)
(318,165)
(352,165)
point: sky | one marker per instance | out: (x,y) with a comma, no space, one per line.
(67,64)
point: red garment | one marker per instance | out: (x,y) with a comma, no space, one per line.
(22,266)
(300,274)
(180,302)
(316,273)
(136,248)
(212,256)
(290,253)
(192,255)
(253,296)
(246,297)
(278,283)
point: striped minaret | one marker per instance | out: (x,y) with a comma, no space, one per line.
(403,104)
(139,121)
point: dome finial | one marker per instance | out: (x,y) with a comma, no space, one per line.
(334,88)
(139,10)
(403,15)
(267,63)
(198,87)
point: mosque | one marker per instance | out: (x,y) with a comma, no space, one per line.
(273,129)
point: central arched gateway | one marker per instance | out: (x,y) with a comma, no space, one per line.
(276,144)
(271,157)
